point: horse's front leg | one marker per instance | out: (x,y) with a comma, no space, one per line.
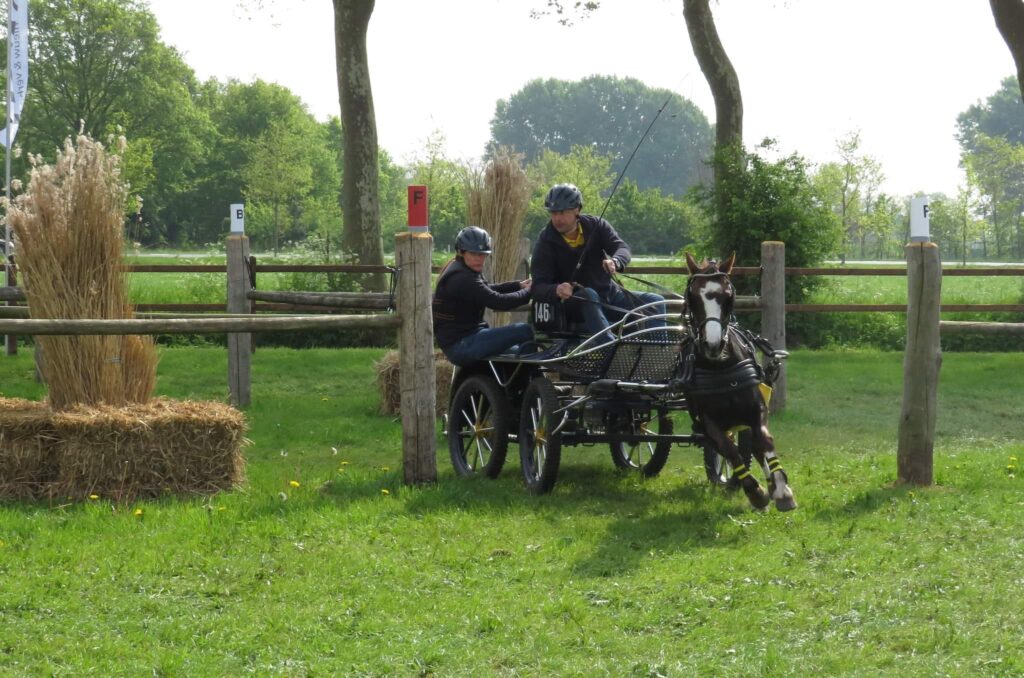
(763,447)
(727,448)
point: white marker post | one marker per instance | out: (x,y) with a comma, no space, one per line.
(239,344)
(920,225)
(238,218)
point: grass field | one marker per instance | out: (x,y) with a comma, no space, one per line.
(351,573)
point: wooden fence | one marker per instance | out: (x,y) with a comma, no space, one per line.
(412,320)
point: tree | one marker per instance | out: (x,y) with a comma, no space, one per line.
(446,181)
(1001,115)
(360,195)
(610,115)
(98,67)
(278,172)
(653,223)
(997,170)
(1009,16)
(718,71)
(849,187)
(583,166)
(770,201)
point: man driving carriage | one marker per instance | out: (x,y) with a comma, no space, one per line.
(462,294)
(573,263)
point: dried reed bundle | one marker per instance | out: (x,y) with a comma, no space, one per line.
(388,382)
(69,227)
(497,200)
(120,453)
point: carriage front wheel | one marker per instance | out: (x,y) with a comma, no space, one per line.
(540,448)
(479,420)
(648,457)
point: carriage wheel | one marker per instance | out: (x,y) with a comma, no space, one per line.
(648,457)
(540,450)
(718,470)
(478,427)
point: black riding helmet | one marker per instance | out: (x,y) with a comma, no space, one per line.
(473,239)
(563,197)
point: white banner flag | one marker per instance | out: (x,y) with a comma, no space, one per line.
(17,67)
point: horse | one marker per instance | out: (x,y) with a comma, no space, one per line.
(722,381)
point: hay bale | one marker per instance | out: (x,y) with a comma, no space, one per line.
(120,453)
(388,382)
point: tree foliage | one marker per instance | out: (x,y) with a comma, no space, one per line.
(609,115)
(769,200)
(99,67)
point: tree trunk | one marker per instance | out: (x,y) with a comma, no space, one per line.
(718,71)
(1009,16)
(359,193)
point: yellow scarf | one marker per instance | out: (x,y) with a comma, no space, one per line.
(578,240)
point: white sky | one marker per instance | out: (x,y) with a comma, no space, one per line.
(811,71)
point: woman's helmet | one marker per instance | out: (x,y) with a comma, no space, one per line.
(473,239)
(563,197)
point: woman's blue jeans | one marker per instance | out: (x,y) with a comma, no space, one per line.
(487,342)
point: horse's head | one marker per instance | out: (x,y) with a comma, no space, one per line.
(709,300)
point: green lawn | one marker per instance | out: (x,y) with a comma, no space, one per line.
(351,573)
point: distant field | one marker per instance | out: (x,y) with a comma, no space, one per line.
(170,288)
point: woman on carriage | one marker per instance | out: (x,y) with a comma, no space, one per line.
(462,294)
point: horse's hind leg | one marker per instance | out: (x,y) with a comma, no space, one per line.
(763,448)
(727,448)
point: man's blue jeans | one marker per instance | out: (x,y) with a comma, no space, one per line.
(487,342)
(597,318)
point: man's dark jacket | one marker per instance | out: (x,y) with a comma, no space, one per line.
(460,297)
(554,261)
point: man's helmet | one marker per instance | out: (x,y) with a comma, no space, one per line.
(473,239)
(563,197)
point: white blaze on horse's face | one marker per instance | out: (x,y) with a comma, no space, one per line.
(710,293)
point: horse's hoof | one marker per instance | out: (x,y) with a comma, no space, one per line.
(785,504)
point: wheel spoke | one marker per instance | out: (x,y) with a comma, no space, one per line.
(480,459)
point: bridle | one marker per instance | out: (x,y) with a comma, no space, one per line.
(697,329)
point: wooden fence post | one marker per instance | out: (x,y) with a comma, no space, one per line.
(239,343)
(416,358)
(921,362)
(773,310)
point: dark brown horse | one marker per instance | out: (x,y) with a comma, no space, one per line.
(723,381)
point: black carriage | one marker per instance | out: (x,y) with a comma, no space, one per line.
(571,389)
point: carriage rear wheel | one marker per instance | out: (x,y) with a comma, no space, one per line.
(540,450)
(478,425)
(647,457)
(718,470)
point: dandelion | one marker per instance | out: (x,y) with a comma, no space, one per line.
(344,463)
(325,399)
(385,468)
(334,451)
(385,492)
(138,513)
(293,483)
(94,497)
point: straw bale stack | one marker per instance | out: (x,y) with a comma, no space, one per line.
(497,200)
(119,453)
(388,379)
(69,226)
